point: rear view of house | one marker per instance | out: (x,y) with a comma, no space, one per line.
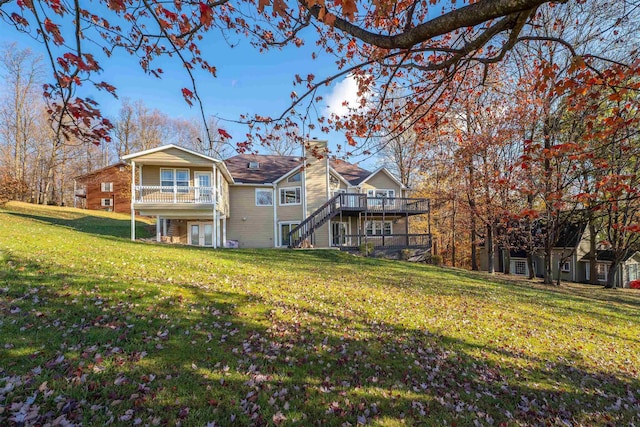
(266,201)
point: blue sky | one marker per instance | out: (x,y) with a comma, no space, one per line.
(247,82)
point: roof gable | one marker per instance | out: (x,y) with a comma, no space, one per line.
(351,173)
(97,171)
(271,167)
(386,172)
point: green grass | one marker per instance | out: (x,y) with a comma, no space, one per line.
(95,329)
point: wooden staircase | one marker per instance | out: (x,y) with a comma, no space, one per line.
(314,221)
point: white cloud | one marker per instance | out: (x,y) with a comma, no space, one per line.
(344,91)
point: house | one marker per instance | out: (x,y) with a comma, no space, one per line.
(106,189)
(267,201)
(569,258)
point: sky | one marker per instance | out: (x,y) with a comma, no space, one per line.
(247,82)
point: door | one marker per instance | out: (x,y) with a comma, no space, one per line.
(201,233)
(285,229)
(203,187)
(339,232)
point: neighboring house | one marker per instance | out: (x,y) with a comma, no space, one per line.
(263,201)
(570,257)
(107,189)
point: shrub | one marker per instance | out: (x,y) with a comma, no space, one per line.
(634,284)
(436,259)
(366,249)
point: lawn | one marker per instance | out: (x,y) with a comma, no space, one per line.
(95,329)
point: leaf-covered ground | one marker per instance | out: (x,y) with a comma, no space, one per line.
(95,329)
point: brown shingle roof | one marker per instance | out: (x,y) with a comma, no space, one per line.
(271,167)
(352,173)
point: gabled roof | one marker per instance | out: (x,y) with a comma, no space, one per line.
(213,160)
(97,171)
(353,174)
(271,167)
(385,171)
(166,147)
(607,255)
(570,235)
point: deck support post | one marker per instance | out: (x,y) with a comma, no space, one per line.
(133,196)
(224,232)
(406,228)
(158,220)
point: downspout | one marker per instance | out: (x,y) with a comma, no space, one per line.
(328,197)
(275,217)
(214,192)
(133,196)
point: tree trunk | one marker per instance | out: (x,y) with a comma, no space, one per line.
(548,272)
(453,236)
(507,261)
(532,273)
(474,243)
(611,278)
(491,268)
(593,271)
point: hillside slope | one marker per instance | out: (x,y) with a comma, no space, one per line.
(97,329)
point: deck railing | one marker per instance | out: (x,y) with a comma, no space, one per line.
(174,194)
(383,241)
(354,201)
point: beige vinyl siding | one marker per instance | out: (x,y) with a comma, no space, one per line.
(316,183)
(151,173)
(382,181)
(257,230)
(341,186)
(289,212)
(174,158)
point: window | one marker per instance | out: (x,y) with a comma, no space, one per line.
(106,187)
(254,165)
(601,272)
(520,268)
(565,267)
(295,178)
(264,197)
(290,196)
(174,177)
(106,202)
(378,228)
(285,229)
(381,193)
(334,182)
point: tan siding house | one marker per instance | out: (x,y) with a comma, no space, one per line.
(262,201)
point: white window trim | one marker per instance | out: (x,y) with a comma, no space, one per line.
(565,267)
(299,180)
(378,224)
(201,225)
(515,267)
(106,187)
(282,189)
(372,191)
(291,224)
(266,190)
(175,176)
(606,271)
(109,205)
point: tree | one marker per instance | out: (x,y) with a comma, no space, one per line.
(417,45)
(19,111)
